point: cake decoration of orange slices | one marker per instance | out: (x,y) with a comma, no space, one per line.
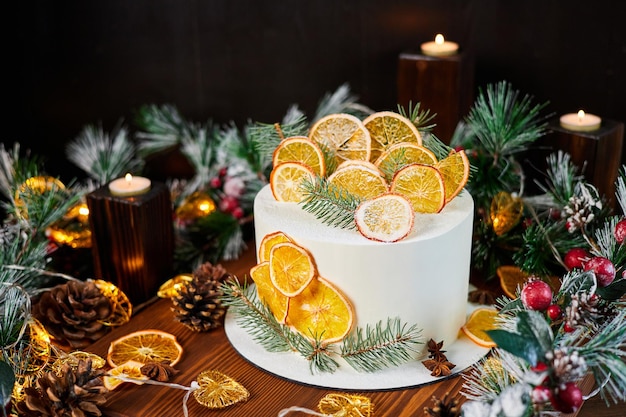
(269,295)
(321,312)
(478,323)
(422,185)
(268,242)
(360,180)
(401,154)
(286,181)
(388,128)
(455,170)
(145,346)
(344,134)
(291,268)
(303,150)
(386,218)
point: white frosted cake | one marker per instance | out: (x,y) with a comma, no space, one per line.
(422,279)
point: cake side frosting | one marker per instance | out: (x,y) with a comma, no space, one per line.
(422,279)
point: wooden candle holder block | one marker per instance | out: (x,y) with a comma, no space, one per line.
(132,240)
(444,85)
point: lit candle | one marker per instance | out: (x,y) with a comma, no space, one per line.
(440,47)
(580,122)
(129,186)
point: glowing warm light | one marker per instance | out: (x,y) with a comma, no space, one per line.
(440,47)
(580,122)
(439,39)
(129,186)
(581,115)
(83,211)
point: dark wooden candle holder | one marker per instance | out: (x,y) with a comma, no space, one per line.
(444,85)
(132,240)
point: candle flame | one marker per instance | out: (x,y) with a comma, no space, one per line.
(83,210)
(439,39)
(129,179)
(581,115)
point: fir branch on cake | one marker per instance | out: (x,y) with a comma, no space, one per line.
(331,204)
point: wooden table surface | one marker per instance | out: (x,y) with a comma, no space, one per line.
(268,394)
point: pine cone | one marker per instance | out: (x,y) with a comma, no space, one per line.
(198,305)
(75,393)
(73,313)
(446,407)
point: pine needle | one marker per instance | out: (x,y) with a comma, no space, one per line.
(331,204)
(340,101)
(163,127)
(421,118)
(620,187)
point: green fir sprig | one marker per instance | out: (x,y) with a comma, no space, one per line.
(422,118)
(160,128)
(340,101)
(331,204)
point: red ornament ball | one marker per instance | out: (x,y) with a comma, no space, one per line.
(603,268)
(536,295)
(620,231)
(576,258)
(567,398)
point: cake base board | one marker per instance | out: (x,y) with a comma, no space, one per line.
(289,365)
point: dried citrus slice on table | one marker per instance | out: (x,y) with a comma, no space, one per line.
(145,346)
(286,181)
(388,128)
(291,268)
(476,326)
(359,180)
(344,134)
(402,154)
(386,218)
(300,149)
(321,312)
(422,185)
(268,242)
(130,369)
(455,172)
(269,295)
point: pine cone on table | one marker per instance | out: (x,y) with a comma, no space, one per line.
(73,313)
(76,392)
(198,304)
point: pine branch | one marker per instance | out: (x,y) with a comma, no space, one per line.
(620,187)
(341,101)
(40,208)
(329,203)
(378,347)
(102,156)
(16,169)
(440,149)
(163,128)
(489,377)
(200,151)
(561,178)
(19,248)
(15,302)
(421,118)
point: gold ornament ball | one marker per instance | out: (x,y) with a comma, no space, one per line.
(197,205)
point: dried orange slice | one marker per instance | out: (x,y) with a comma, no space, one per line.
(359,180)
(172,286)
(286,180)
(344,134)
(145,346)
(321,312)
(455,172)
(300,149)
(402,154)
(388,128)
(268,242)
(276,301)
(476,326)
(130,369)
(513,278)
(422,185)
(291,268)
(386,218)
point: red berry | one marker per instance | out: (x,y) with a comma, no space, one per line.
(567,398)
(228,204)
(567,328)
(223,172)
(554,312)
(603,268)
(237,213)
(620,231)
(541,394)
(536,295)
(539,367)
(576,258)
(215,182)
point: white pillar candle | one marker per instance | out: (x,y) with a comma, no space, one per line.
(580,122)
(440,47)
(129,186)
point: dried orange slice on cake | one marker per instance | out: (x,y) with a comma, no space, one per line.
(321,312)
(145,346)
(300,149)
(291,268)
(344,134)
(476,326)
(422,185)
(402,154)
(386,218)
(387,128)
(286,181)
(455,172)
(269,295)
(362,180)
(268,242)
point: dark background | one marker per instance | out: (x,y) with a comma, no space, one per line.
(75,63)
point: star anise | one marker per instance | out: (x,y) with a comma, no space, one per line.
(439,368)
(158,371)
(435,352)
(481,296)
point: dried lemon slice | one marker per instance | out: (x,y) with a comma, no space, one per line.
(145,346)
(286,180)
(402,154)
(300,149)
(130,369)
(268,242)
(269,295)
(291,268)
(359,180)
(388,128)
(422,185)
(386,218)
(344,134)
(455,172)
(476,326)
(321,312)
